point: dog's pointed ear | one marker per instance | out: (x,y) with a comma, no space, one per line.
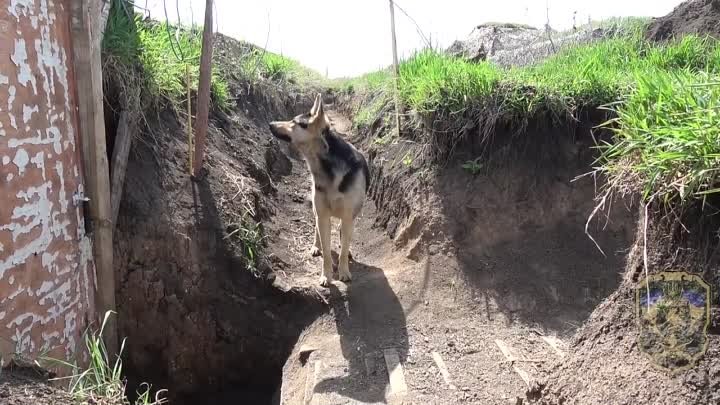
(319,111)
(314,108)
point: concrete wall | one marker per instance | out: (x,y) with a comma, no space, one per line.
(46,269)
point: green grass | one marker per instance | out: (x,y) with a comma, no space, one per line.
(665,97)
(667,138)
(368,83)
(585,75)
(265,65)
(102,381)
(366,116)
(149,60)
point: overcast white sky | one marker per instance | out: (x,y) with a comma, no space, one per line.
(348,38)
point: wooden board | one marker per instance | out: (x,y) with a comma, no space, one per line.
(96,177)
(505,349)
(311,379)
(395,371)
(121,151)
(555,343)
(443,369)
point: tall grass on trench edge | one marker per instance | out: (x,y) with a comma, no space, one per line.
(667,138)
(664,96)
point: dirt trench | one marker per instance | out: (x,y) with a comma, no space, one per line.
(203,313)
(446,263)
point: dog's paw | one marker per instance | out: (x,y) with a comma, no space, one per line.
(324,281)
(345,276)
(315,251)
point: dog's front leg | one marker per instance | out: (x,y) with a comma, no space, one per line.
(315,249)
(345,237)
(322,221)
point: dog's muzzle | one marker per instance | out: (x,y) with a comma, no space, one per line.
(276,134)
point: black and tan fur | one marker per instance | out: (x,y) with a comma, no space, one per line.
(340,179)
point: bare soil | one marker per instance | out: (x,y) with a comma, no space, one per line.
(605,365)
(200,316)
(691,17)
(30,386)
(450,262)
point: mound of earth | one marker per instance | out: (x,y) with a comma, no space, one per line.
(605,363)
(519,45)
(691,17)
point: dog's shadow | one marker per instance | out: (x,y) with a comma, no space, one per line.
(369,319)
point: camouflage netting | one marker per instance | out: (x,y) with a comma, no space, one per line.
(520,45)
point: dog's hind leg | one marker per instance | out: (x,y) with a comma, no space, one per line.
(345,237)
(322,220)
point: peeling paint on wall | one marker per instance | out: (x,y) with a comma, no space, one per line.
(46,269)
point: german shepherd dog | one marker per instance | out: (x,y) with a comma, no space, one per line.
(340,179)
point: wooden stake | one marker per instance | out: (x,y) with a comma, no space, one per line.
(91,119)
(203,100)
(191,147)
(396,67)
(121,150)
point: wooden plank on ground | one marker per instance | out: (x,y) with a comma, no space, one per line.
(443,369)
(555,343)
(311,379)
(395,371)
(505,349)
(370,365)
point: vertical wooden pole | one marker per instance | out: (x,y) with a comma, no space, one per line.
(396,68)
(203,100)
(191,147)
(121,151)
(87,66)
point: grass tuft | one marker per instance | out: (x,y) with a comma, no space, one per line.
(260,65)
(667,138)
(102,381)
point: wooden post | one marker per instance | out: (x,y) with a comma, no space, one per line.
(88,69)
(396,67)
(121,150)
(191,147)
(103,13)
(203,99)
